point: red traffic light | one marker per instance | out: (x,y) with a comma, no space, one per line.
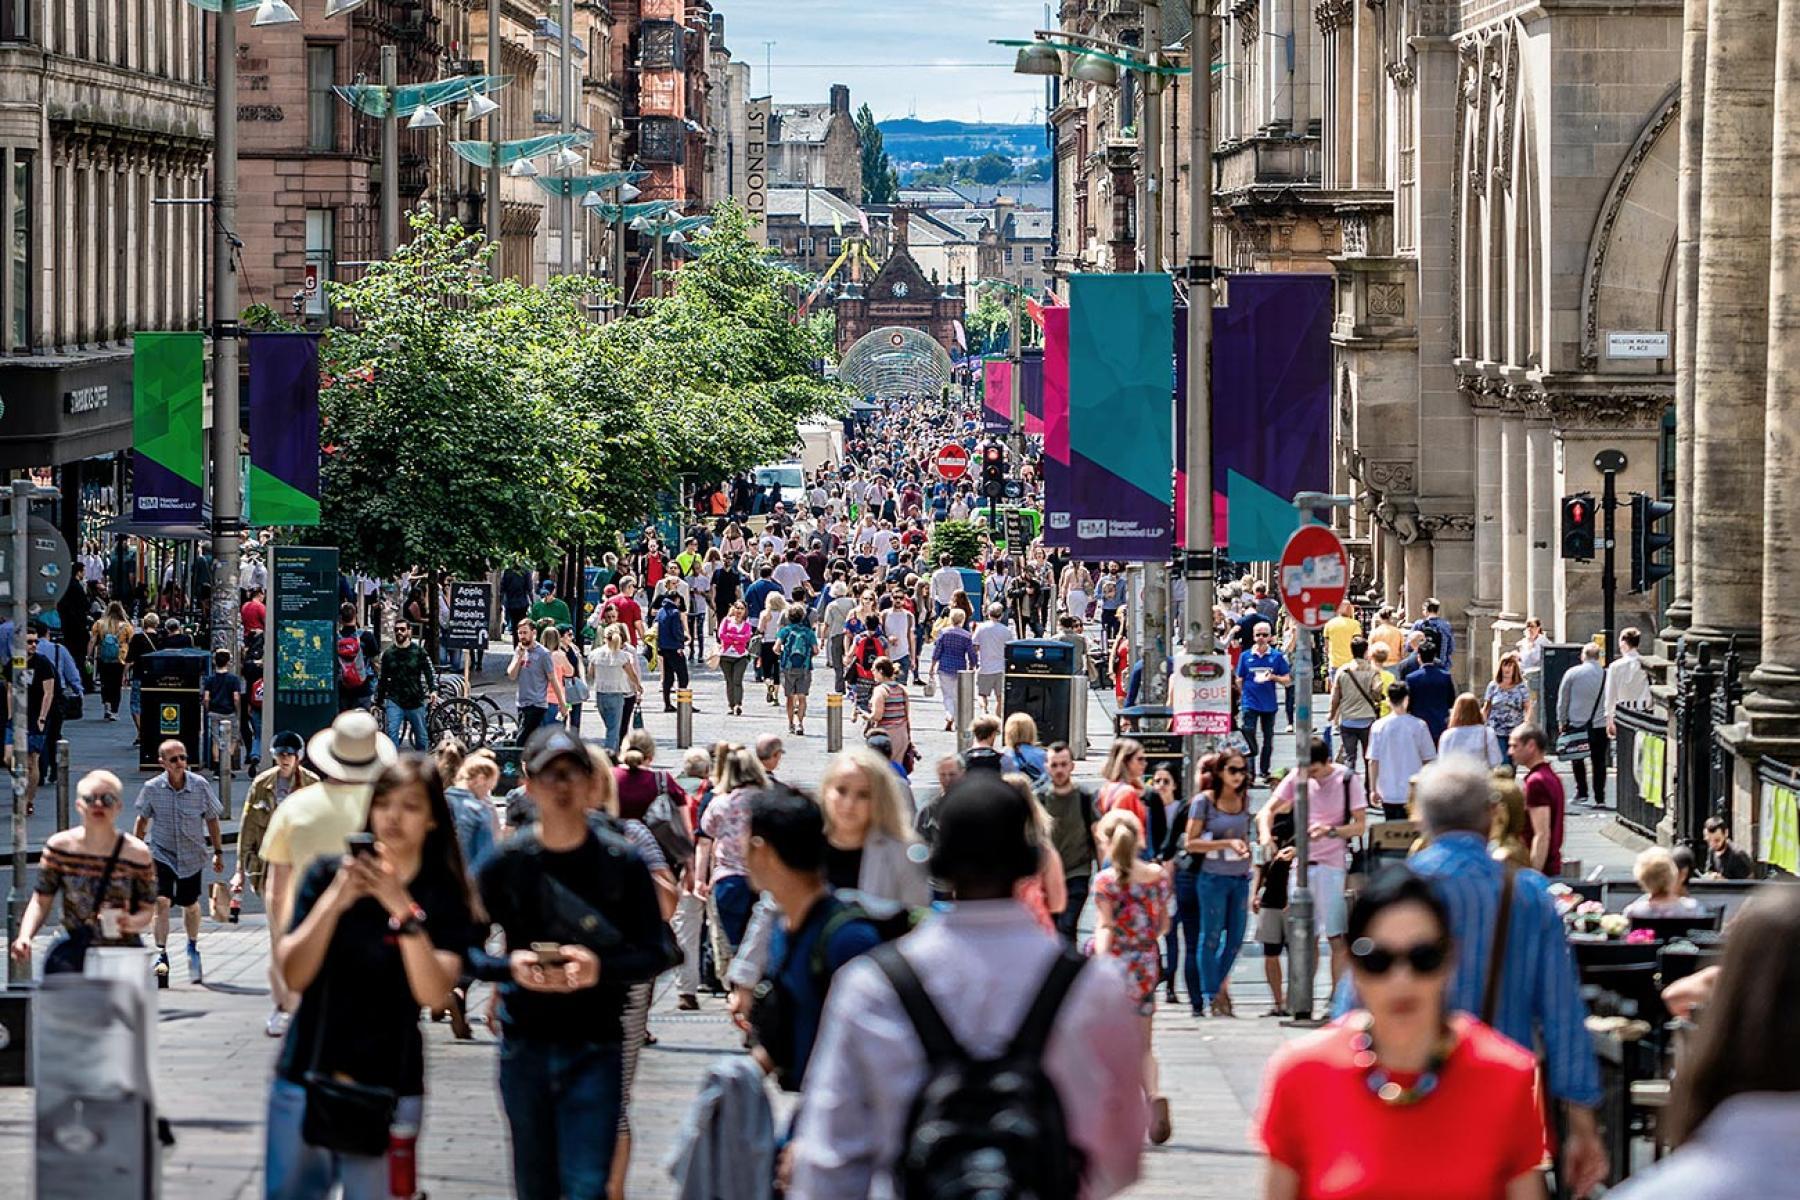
(1578,512)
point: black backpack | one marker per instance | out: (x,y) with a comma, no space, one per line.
(992,1129)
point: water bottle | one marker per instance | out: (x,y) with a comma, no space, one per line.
(402,1159)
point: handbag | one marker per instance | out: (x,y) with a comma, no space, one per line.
(1573,743)
(219,900)
(342,1114)
(576,691)
(69,955)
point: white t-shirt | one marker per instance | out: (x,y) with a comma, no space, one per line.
(945,583)
(897,624)
(885,542)
(772,544)
(790,575)
(990,646)
(1401,743)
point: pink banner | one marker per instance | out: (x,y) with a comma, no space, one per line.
(1056,426)
(997,394)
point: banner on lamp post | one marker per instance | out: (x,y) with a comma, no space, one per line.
(1121,418)
(168,386)
(284,429)
(1056,427)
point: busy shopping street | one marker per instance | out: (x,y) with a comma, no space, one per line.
(734,600)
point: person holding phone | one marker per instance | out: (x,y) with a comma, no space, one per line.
(378,933)
(582,924)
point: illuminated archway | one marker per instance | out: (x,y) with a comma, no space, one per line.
(895,361)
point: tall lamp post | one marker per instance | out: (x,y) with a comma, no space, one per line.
(1097,61)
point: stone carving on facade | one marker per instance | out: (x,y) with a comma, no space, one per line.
(1447,526)
(1389,475)
(1356,236)
(1485,393)
(1387,300)
(1623,410)
(1601,240)
(1332,15)
(1402,73)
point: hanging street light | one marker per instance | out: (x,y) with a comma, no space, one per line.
(274,12)
(425,118)
(478,107)
(1037,59)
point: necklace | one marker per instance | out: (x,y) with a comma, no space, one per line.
(1383,1086)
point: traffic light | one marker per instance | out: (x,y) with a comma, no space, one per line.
(1648,542)
(1578,527)
(993,470)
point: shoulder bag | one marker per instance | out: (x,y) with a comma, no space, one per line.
(69,956)
(1573,743)
(1490,992)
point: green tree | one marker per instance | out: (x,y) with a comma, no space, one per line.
(989,325)
(880,182)
(992,167)
(961,540)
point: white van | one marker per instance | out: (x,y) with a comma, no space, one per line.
(821,447)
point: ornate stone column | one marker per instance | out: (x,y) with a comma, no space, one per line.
(1687,308)
(1489,532)
(1513,504)
(1731,343)
(1773,703)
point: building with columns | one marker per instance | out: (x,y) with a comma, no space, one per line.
(105,115)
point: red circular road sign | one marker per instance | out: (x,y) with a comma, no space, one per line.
(952,461)
(1313,576)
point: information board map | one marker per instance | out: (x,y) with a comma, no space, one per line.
(307,655)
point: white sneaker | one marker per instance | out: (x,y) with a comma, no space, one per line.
(277,1024)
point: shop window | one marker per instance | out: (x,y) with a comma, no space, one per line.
(321,101)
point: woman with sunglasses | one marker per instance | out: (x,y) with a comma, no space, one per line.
(104,877)
(1402,1099)
(1218,836)
(1166,788)
(378,934)
(1124,788)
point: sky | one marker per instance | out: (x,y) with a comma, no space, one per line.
(901,57)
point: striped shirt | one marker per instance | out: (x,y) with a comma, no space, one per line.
(1540,1001)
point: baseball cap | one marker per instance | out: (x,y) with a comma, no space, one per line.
(287,741)
(551,742)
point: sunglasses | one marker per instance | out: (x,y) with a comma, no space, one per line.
(1426,958)
(102,799)
(562,773)
(1234,770)
(174,758)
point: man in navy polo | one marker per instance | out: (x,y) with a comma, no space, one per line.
(1259,669)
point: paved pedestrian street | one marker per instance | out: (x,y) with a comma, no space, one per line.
(213,1061)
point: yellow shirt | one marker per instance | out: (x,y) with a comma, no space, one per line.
(1391,637)
(1386,680)
(313,823)
(1338,632)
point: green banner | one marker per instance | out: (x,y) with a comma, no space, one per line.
(168,385)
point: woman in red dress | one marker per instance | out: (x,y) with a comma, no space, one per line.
(1401,1100)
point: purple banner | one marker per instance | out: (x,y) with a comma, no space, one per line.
(1031,389)
(1056,427)
(284,429)
(996,408)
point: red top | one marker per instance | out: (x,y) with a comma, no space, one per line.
(1544,790)
(1479,1130)
(253,615)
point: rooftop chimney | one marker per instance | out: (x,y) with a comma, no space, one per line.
(840,98)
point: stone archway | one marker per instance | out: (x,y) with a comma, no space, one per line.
(895,361)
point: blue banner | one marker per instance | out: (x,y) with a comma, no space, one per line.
(1121,417)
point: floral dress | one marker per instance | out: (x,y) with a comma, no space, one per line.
(1506,709)
(1138,910)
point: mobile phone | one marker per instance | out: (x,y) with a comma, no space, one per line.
(549,954)
(362,845)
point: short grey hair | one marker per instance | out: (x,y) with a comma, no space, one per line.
(1590,653)
(1454,797)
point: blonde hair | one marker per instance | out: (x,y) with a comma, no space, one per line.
(1121,834)
(639,749)
(1507,834)
(615,636)
(481,762)
(1040,826)
(1021,730)
(550,637)
(1655,871)
(740,768)
(889,808)
(1118,759)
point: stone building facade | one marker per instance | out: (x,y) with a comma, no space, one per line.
(817,145)
(105,109)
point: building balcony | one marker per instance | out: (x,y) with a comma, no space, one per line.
(1267,162)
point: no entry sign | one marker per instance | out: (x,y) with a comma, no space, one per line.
(1313,576)
(952,461)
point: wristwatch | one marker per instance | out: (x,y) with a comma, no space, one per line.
(412,922)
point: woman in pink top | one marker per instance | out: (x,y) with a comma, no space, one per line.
(734,655)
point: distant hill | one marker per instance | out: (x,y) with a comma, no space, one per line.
(909,141)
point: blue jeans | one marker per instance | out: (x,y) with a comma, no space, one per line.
(562,1102)
(1224,907)
(255,736)
(612,712)
(1068,920)
(294,1170)
(1187,924)
(412,718)
(734,899)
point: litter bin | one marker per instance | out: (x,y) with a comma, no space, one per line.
(172,703)
(1040,680)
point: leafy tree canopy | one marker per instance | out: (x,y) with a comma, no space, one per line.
(881,183)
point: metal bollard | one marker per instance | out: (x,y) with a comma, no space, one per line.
(63,785)
(1078,717)
(834,722)
(684,718)
(223,740)
(965,710)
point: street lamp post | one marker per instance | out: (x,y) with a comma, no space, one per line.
(494,134)
(390,151)
(568,126)
(1197,560)
(227,502)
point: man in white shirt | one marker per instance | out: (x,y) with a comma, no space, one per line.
(946,581)
(886,541)
(868,1065)
(772,543)
(1399,747)
(991,637)
(1627,682)
(897,625)
(790,573)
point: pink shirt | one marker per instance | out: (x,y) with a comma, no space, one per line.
(1326,801)
(734,637)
